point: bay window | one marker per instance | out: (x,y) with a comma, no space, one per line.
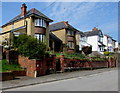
(70,32)
(40,22)
(70,44)
(40,37)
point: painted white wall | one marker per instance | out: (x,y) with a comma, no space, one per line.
(93,40)
(116,44)
(82,42)
(105,41)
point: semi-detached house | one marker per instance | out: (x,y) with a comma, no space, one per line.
(95,38)
(31,22)
(66,33)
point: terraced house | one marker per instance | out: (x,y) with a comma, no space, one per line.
(31,22)
(66,33)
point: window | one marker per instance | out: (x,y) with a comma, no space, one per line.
(12,26)
(101,38)
(40,37)
(83,38)
(109,40)
(40,22)
(70,44)
(70,33)
(101,48)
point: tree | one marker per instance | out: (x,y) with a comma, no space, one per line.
(29,46)
(87,49)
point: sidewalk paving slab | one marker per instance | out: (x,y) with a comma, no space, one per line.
(27,81)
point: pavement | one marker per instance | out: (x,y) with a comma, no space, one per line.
(28,81)
(105,81)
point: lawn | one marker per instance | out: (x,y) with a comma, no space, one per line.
(5,67)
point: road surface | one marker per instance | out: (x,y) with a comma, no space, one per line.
(105,81)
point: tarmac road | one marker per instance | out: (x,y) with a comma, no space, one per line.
(105,81)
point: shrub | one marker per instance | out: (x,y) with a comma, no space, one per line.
(87,49)
(106,53)
(29,46)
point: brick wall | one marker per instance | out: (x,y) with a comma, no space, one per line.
(74,63)
(36,68)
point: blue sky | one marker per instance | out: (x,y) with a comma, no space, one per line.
(82,15)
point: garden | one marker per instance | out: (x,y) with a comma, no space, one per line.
(6,67)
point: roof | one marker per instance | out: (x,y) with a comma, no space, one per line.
(82,33)
(61,25)
(31,12)
(108,36)
(13,30)
(54,38)
(92,33)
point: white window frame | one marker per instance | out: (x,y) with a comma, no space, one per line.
(40,37)
(40,22)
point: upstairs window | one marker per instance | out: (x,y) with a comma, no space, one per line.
(83,38)
(70,33)
(100,37)
(12,26)
(40,22)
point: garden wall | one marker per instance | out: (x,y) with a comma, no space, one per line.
(6,76)
(76,63)
(35,67)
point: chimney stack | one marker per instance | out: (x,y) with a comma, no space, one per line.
(23,9)
(95,29)
(66,23)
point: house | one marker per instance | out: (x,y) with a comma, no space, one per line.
(55,44)
(117,47)
(109,43)
(66,33)
(31,22)
(95,38)
(81,40)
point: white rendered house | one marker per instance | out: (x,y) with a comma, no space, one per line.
(109,43)
(95,38)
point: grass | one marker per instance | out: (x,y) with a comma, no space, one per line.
(6,67)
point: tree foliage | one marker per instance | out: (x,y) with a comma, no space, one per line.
(87,49)
(29,46)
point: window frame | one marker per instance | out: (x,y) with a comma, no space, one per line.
(40,22)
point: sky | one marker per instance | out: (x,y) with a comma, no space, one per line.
(81,15)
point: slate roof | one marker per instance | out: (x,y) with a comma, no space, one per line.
(31,12)
(108,36)
(61,25)
(92,33)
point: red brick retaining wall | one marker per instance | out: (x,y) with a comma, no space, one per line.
(6,76)
(19,73)
(74,63)
(37,67)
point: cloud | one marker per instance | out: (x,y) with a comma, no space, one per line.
(70,11)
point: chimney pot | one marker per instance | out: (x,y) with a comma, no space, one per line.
(95,29)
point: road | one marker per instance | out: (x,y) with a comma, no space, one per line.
(105,81)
